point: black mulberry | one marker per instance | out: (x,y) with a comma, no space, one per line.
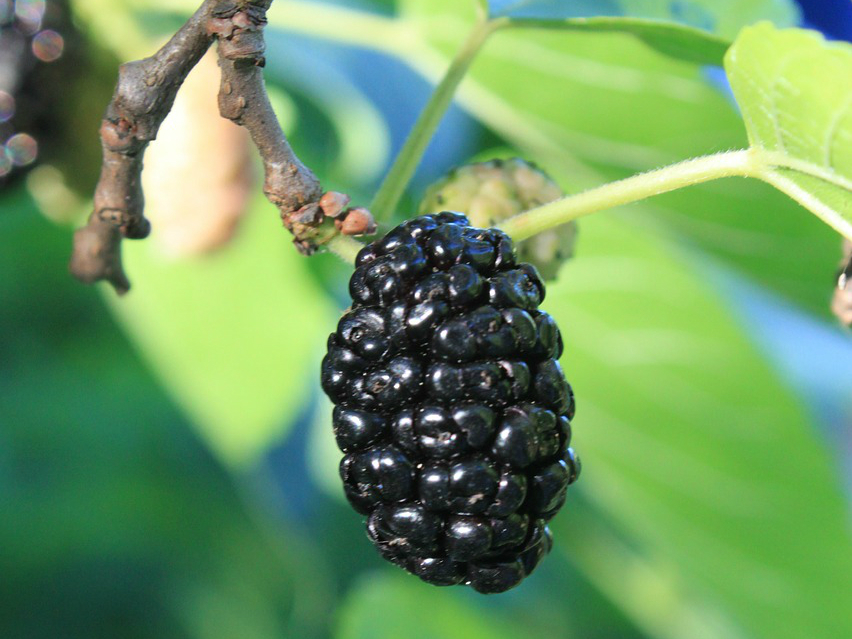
(451,407)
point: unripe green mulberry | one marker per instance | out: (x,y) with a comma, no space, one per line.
(493,191)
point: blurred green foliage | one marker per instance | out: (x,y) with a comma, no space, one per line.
(166,465)
(219,330)
(116,522)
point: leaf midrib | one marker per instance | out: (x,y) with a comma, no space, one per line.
(768,160)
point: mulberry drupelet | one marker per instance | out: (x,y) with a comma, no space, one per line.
(450,405)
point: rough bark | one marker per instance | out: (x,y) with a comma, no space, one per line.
(144,95)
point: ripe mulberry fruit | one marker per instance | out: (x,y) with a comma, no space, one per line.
(450,405)
(493,191)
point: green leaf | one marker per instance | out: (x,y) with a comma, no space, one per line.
(648,586)
(230,334)
(675,40)
(594,107)
(322,452)
(724,17)
(390,607)
(692,445)
(587,96)
(104,483)
(795,93)
(360,132)
(694,30)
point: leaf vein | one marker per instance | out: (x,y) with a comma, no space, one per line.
(832,130)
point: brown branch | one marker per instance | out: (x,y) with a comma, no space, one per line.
(144,95)
(288,184)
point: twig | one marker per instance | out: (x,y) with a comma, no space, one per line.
(242,98)
(143,97)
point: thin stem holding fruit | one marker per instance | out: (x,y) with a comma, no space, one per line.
(632,189)
(400,174)
(345,247)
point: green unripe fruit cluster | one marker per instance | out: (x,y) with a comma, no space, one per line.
(491,192)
